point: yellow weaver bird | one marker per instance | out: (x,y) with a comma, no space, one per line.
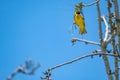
(79,21)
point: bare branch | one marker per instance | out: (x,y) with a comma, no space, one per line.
(93,3)
(117,47)
(116,9)
(115,60)
(82,57)
(106,61)
(22,69)
(116,68)
(19,69)
(103,44)
(83,40)
(99,23)
(110,14)
(117,19)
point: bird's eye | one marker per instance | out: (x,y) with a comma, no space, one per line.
(77,12)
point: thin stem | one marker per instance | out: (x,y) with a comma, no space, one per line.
(22,69)
(110,15)
(86,41)
(115,60)
(99,23)
(116,9)
(82,57)
(117,19)
(115,51)
(93,3)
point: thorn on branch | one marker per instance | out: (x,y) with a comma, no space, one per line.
(83,40)
(119,68)
(47,75)
(73,41)
(92,56)
(110,72)
(109,51)
(112,15)
(100,55)
(97,51)
(100,19)
(110,4)
(86,42)
(118,20)
(20,69)
(119,55)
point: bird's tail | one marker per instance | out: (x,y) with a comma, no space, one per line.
(82,30)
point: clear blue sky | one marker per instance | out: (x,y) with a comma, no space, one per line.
(41,30)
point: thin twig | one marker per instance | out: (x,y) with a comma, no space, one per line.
(117,19)
(115,60)
(110,15)
(82,57)
(112,30)
(83,40)
(116,9)
(118,51)
(99,23)
(106,61)
(93,3)
(22,69)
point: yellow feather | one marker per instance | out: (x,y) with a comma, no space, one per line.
(79,21)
